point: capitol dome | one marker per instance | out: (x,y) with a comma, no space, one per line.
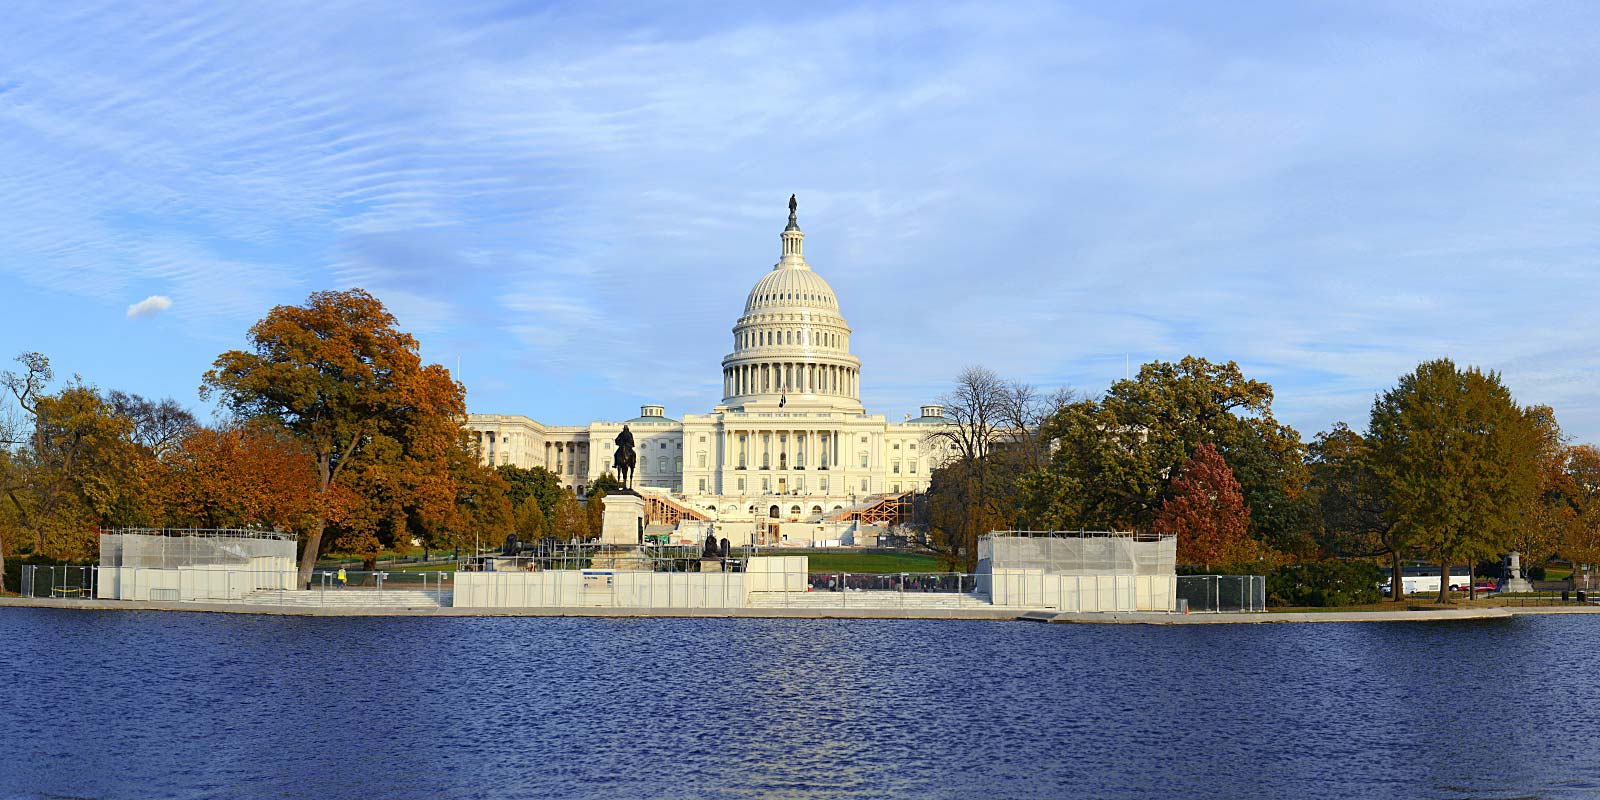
(791,347)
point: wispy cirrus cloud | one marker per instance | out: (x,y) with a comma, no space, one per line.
(579,196)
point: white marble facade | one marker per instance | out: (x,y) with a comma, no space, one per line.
(790,439)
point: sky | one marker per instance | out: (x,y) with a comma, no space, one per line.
(568,203)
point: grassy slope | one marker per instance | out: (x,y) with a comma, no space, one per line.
(877,563)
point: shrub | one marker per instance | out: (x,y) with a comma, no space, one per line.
(1324,583)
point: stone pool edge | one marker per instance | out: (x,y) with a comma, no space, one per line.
(998,614)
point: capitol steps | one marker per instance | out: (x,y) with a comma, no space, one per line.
(867,599)
(349,598)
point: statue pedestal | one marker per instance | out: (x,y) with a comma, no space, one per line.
(622,522)
(710,565)
(1514,581)
(621,535)
(621,558)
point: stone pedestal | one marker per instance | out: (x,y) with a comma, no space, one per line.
(622,535)
(622,522)
(1514,581)
(621,558)
(710,565)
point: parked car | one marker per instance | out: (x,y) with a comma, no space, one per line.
(1486,587)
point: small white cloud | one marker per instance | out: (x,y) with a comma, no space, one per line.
(150,306)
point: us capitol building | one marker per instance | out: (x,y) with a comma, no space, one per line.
(790,442)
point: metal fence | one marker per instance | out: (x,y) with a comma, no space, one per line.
(1222,593)
(231,586)
(39,580)
(879,590)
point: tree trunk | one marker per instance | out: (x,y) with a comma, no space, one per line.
(2,566)
(1472,581)
(308,559)
(1397,584)
(1444,579)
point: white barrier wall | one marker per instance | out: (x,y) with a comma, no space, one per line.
(1032,588)
(777,573)
(199,582)
(593,588)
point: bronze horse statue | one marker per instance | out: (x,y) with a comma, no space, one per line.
(626,459)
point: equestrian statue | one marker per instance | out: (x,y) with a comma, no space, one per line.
(626,459)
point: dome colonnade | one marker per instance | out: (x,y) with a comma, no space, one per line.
(792,344)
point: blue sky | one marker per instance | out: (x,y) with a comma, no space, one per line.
(573,200)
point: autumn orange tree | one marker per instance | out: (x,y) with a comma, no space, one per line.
(1207,512)
(338,377)
(238,476)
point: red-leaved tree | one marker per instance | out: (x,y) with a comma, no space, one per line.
(1207,512)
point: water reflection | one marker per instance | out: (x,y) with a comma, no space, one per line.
(129,704)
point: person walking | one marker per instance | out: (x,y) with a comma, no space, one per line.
(341,578)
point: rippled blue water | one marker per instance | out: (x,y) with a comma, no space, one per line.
(141,704)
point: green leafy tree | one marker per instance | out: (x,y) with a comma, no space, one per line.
(1115,457)
(1358,519)
(536,483)
(337,376)
(1460,460)
(605,484)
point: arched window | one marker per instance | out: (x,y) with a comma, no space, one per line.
(711,508)
(794,511)
(773,512)
(816,509)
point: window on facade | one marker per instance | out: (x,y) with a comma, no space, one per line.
(895,446)
(741,484)
(702,440)
(677,463)
(766,485)
(894,467)
(700,460)
(702,485)
(661,464)
(896,487)
(824,484)
(863,459)
(913,466)
(863,484)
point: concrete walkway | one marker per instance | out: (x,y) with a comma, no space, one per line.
(990,613)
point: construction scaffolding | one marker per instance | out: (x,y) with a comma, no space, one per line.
(191,564)
(659,510)
(1079,570)
(171,548)
(891,509)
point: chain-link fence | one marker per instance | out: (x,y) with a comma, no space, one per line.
(40,580)
(1222,593)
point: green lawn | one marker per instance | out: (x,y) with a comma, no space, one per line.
(875,563)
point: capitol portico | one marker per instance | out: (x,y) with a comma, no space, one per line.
(790,440)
